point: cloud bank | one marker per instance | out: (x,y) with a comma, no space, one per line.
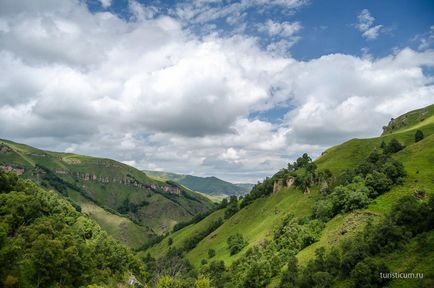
(152,94)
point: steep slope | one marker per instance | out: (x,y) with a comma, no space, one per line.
(46,242)
(138,207)
(257,221)
(208,185)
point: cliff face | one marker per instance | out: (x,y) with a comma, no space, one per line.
(280,183)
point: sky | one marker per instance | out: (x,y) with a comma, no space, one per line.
(233,89)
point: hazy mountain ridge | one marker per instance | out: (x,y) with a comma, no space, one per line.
(208,185)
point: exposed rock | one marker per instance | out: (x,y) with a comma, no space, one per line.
(324,187)
(5,148)
(172,190)
(71,161)
(289,182)
(277,186)
(10,168)
(61,172)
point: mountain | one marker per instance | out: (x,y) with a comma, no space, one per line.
(123,200)
(362,208)
(209,185)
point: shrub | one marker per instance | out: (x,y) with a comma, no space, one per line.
(236,243)
(211,253)
(418,136)
(393,147)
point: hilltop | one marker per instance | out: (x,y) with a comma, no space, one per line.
(209,185)
(123,200)
(403,169)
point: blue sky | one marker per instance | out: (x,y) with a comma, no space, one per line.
(328,26)
(233,89)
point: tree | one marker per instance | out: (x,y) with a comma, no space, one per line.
(259,275)
(289,277)
(170,241)
(393,147)
(235,243)
(203,282)
(379,182)
(418,136)
(211,253)
(322,279)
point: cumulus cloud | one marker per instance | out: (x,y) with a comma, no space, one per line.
(150,93)
(105,3)
(366,25)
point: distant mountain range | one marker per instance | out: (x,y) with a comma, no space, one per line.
(209,185)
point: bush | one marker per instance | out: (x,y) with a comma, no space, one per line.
(418,136)
(236,243)
(211,253)
(393,147)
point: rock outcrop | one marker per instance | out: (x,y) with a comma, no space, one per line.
(280,183)
(10,168)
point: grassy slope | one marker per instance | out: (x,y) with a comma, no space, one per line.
(256,221)
(162,213)
(180,236)
(209,185)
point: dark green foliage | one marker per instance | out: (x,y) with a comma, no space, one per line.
(235,243)
(190,243)
(232,207)
(211,253)
(367,274)
(7,181)
(195,219)
(322,279)
(408,217)
(259,275)
(372,177)
(173,264)
(259,190)
(224,203)
(379,182)
(343,199)
(130,207)
(393,146)
(289,276)
(170,241)
(216,272)
(45,242)
(302,161)
(418,136)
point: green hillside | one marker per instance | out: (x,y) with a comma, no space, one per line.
(261,213)
(123,200)
(46,242)
(208,185)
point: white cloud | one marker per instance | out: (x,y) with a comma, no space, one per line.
(141,12)
(105,3)
(366,25)
(150,93)
(426,39)
(283,29)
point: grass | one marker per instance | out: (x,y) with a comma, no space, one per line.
(257,220)
(161,213)
(120,228)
